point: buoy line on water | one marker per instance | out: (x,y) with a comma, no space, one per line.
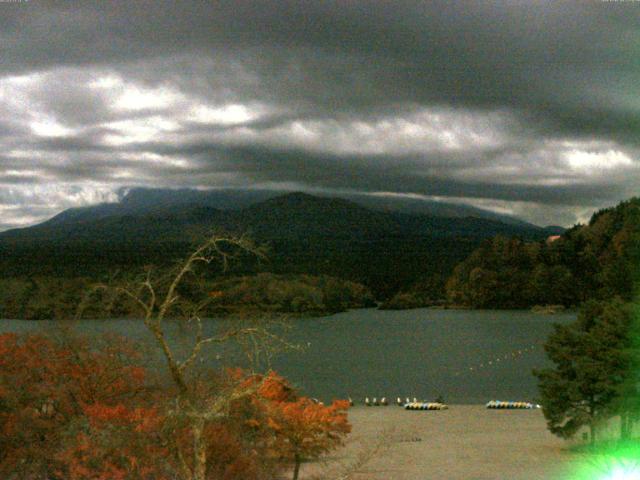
(424,405)
(513,355)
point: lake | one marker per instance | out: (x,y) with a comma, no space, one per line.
(466,356)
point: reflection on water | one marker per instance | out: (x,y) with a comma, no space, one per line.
(465,356)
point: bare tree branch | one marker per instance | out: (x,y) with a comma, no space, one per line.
(158,300)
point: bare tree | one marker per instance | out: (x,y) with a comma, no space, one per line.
(158,300)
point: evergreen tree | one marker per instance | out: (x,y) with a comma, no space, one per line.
(592,365)
(627,403)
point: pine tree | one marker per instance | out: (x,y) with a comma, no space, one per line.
(627,403)
(592,363)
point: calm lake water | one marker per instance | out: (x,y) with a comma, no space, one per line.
(465,356)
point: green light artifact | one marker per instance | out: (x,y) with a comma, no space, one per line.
(621,462)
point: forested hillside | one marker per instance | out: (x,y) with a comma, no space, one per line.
(594,261)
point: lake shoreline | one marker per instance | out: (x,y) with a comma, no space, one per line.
(314,315)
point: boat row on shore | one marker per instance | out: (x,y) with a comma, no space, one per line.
(383,402)
(426,406)
(498,404)
(414,404)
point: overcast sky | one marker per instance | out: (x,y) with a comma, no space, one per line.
(524,107)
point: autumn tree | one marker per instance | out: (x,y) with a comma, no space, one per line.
(296,428)
(116,442)
(50,388)
(305,429)
(76,409)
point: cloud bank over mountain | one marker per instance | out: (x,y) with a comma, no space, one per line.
(528,108)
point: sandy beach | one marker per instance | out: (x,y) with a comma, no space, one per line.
(466,442)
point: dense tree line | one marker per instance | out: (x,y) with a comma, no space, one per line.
(39,298)
(594,261)
(425,293)
(301,294)
(385,265)
(47,297)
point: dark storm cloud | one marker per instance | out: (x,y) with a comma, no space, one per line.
(479,52)
(515,103)
(345,173)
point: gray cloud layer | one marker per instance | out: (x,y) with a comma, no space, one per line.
(524,107)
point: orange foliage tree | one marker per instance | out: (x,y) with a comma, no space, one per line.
(52,393)
(73,411)
(198,406)
(304,429)
(301,428)
(116,443)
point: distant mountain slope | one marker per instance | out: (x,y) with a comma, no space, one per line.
(307,234)
(143,201)
(292,215)
(136,201)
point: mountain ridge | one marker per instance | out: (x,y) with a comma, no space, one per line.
(274,217)
(141,200)
(305,234)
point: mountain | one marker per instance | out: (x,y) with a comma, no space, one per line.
(158,201)
(307,234)
(184,217)
(136,201)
